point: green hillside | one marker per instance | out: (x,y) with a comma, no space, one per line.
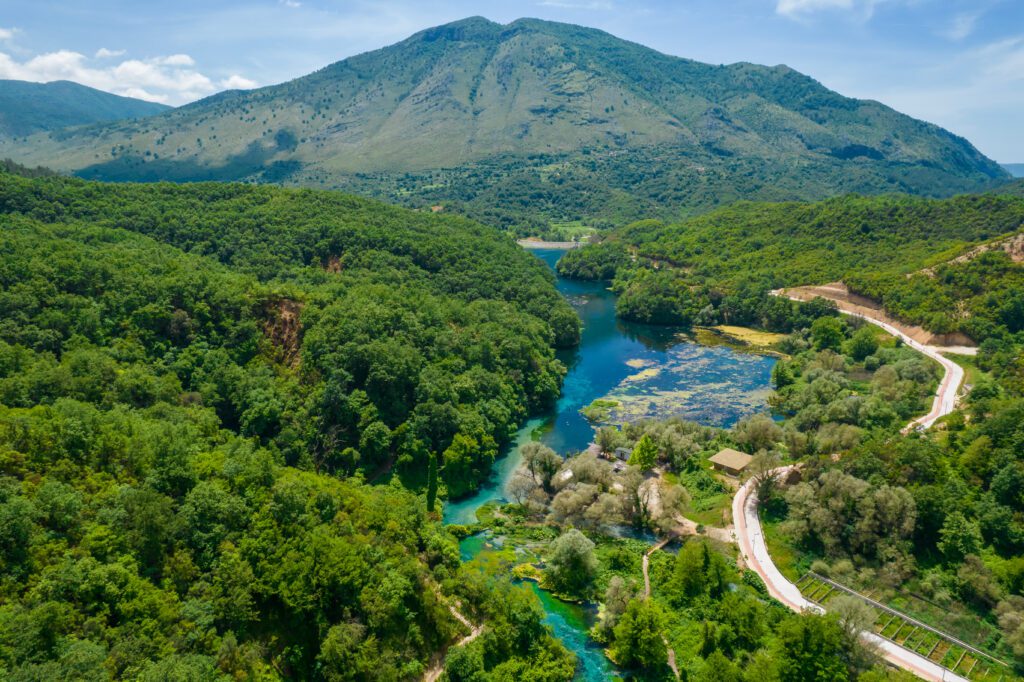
(532,123)
(1015,187)
(184,389)
(28,108)
(720,266)
(379,335)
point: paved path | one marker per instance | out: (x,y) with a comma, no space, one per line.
(750,537)
(945,396)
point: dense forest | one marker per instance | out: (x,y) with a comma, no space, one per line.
(982,296)
(188,375)
(719,267)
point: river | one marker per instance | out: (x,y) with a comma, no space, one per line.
(649,371)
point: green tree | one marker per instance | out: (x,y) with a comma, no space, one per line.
(645,453)
(571,563)
(959,537)
(863,343)
(718,668)
(638,637)
(542,462)
(828,333)
(811,650)
(782,374)
(431,482)
(699,572)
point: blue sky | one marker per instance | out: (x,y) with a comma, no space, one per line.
(958,63)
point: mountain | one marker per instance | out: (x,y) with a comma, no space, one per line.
(1015,169)
(530,124)
(27,108)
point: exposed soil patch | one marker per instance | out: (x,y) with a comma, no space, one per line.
(283,327)
(1012,245)
(333,265)
(850,302)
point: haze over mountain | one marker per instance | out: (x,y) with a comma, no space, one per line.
(532,123)
(1015,169)
(27,108)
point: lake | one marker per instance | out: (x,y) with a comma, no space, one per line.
(650,371)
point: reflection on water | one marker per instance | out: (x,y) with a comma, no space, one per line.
(652,372)
(712,385)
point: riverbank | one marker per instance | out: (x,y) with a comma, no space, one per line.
(742,338)
(531,243)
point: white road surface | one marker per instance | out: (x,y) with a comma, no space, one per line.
(750,538)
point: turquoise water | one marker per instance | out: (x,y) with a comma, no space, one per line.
(651,372)
(570,623)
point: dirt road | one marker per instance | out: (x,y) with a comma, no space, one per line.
(436,668)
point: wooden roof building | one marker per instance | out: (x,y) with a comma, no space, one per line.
(730,461)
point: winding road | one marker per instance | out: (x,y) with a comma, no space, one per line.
(750,537)
(945,397)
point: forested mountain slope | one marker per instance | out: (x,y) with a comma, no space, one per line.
(721,265)
(28,108)
(534,122)
(174,427)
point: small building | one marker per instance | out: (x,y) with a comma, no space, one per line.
(623,454)
(730,461)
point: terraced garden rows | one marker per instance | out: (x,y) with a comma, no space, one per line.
(912,635)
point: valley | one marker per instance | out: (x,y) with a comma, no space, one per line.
(510,350)
(557,432)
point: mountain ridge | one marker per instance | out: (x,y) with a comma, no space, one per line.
(27,107)
(533,122)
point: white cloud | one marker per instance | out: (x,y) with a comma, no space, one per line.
(961,26)
(800,10)
(176,60)
(294,4)
(7,33)
(142,93)
(791,8)
(169,79)
(104,53)
(236,82)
